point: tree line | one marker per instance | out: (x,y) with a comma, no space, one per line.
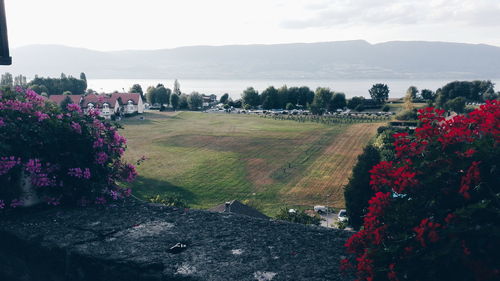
(320,101)
(162,96)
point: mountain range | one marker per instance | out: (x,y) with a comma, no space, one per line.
(326,60)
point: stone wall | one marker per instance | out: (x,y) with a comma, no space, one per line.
(132,241)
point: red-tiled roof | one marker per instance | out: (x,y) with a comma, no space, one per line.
(99,100)
(59,98)
(126,97)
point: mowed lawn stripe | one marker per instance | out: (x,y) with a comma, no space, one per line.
(330,172)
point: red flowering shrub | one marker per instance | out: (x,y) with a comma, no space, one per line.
(67,157)
(436,213)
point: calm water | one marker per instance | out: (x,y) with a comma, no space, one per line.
(234,88)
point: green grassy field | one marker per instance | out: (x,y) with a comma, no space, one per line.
(208,159)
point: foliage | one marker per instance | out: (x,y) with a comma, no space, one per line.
(39,89)
(436,211)
(6,80)
(183,101)
(177,87)
(355,102)
(56,86)
(224,98)
(379,92)
(64,104)
(250,97)
(321,101)
(174,101)
(20,80)
(158,95)
(338,101)
(270,99)
(162,95)
(195,101)
(474,91)
(69,158)
(412,93)
(407,115)
(171,201)
(428,95)
(357,192)
(290,106)
(456,104)
(136,88)
(342,224)
(386,108)
(298,216)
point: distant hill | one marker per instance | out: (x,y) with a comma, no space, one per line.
(328,60)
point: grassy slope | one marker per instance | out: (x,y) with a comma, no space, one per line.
(211,158)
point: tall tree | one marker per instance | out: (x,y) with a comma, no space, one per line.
(195,101)
(183,101)
(321,100)
(177,87)
(224,98)
(151,95)
(136,88)
(83,76)
(338,101)
(306,96)
(355,102)
(412,93)
(6,80)
(358,191)
(269,98)
(20,80)
(379,93)
(174,101)
(282,99)
(428,94)
(250,97)
(162,96)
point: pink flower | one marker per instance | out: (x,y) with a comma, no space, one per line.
(93,112)
(76,127)
(7,163)
(101,158)
(41,116)
(53,201)
(74,108)
(100,200)
(16,203)
(99,142)
(2,204)
(79,173)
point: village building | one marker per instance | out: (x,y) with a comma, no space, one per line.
(108,104)
(209,100)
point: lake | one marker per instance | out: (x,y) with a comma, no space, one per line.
(351,87)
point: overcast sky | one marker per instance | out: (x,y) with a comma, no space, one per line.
(157,24)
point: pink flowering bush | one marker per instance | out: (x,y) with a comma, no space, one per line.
(69,158)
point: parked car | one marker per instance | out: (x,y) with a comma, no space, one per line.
(320,209)
(342,216)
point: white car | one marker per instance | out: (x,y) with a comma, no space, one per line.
(342,216)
